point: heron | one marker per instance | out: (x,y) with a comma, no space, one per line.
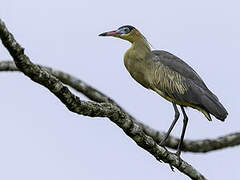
(170,77)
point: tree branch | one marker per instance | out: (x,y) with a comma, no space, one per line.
(205,145)
(93,109)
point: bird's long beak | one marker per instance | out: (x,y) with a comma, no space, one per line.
(115,33)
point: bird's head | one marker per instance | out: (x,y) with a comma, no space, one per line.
(126,32)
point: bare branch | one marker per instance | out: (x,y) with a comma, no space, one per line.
(205,145)
(93,109)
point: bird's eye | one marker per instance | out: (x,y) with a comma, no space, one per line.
(126,30)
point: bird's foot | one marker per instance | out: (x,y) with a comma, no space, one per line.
(171,167)
(178,153)
(162,144)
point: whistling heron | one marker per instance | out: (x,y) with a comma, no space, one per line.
(170,77)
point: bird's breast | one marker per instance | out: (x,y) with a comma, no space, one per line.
(138,69)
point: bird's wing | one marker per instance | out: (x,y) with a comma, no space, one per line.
(177,81)
(177,65)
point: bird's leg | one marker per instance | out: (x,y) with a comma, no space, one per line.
(172,125)
(185,121)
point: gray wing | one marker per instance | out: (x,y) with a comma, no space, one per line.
(176,64)
(197,92)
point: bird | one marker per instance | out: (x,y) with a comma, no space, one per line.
(170,77)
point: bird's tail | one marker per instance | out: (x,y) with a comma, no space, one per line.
(213,106)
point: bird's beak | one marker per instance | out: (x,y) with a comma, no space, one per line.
(114,33)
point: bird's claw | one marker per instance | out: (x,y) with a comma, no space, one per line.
(172,168)
(178,153)
(162,145)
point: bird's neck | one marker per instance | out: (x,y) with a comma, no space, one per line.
(138,50)
(142,43)
(141,47)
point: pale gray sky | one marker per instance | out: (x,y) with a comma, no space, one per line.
(41,139)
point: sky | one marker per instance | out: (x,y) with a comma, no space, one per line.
(41,139)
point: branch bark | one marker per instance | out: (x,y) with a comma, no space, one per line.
(197,146)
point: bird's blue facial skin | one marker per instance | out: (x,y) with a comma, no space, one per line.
(124,30)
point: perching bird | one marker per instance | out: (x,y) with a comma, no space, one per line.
(170,77)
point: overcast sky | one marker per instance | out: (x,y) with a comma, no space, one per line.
(40,139)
